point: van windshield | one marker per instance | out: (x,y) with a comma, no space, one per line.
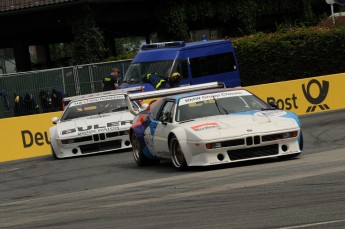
(137,71)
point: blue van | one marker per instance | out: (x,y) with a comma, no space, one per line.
(197,62)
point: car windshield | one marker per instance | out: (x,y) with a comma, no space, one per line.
(137,71)
(95,106)
(221,103)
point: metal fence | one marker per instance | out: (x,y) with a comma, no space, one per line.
(73,80)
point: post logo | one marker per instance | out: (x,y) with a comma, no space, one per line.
(323,91)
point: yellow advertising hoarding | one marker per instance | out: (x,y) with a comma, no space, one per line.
(305,96)
(28,136)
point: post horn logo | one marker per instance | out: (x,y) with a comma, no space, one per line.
(320,98)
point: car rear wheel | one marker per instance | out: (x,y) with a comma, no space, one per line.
(138,155)
(177,155)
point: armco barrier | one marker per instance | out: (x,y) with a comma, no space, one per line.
(28,136)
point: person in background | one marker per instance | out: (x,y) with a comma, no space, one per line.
(18,108)
(30,105)
(174,80)
(111,81)
(158,81)
(46,101)
(57,96)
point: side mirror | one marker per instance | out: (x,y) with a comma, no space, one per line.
(164,119)
(55,120)
(273,104)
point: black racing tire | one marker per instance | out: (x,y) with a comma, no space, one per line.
(138,154)
(177,155)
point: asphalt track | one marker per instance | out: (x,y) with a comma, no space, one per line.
(110,191)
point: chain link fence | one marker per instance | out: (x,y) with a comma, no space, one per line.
(73,80)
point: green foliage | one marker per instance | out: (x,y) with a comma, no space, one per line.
(290,54)
(178,17)
(123,56)
(59,51)
(127,44)
(88,45)
(172,18)
(126,48)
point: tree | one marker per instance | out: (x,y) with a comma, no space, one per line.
(88,45)
(234,17)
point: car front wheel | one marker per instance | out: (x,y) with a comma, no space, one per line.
(53,153)
(177,155)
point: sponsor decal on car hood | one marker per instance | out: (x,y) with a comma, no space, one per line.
(95,124)
(240,124)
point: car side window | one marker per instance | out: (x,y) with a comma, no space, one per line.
(156,108)
(167,110)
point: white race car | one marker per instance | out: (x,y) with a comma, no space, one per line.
(92,124)
(212,127)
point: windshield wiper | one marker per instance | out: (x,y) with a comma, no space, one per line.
(218,106)
(268,108)
(103,111)
(119,109)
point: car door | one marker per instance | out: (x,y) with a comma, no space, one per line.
(160,139)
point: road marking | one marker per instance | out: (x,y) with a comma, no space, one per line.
(313,224)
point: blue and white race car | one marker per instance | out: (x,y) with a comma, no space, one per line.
(210,127)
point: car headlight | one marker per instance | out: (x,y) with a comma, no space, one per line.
(290,134)
(213,145)
(67,141)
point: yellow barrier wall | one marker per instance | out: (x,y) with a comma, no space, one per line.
(28,136)
(305,96)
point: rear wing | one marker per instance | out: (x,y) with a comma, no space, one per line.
(67,100)
(170,91)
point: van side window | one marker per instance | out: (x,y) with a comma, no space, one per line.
(214,64)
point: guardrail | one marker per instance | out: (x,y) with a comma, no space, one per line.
(73,80)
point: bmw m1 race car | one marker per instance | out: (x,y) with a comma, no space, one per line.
(92,124)
(212,127)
